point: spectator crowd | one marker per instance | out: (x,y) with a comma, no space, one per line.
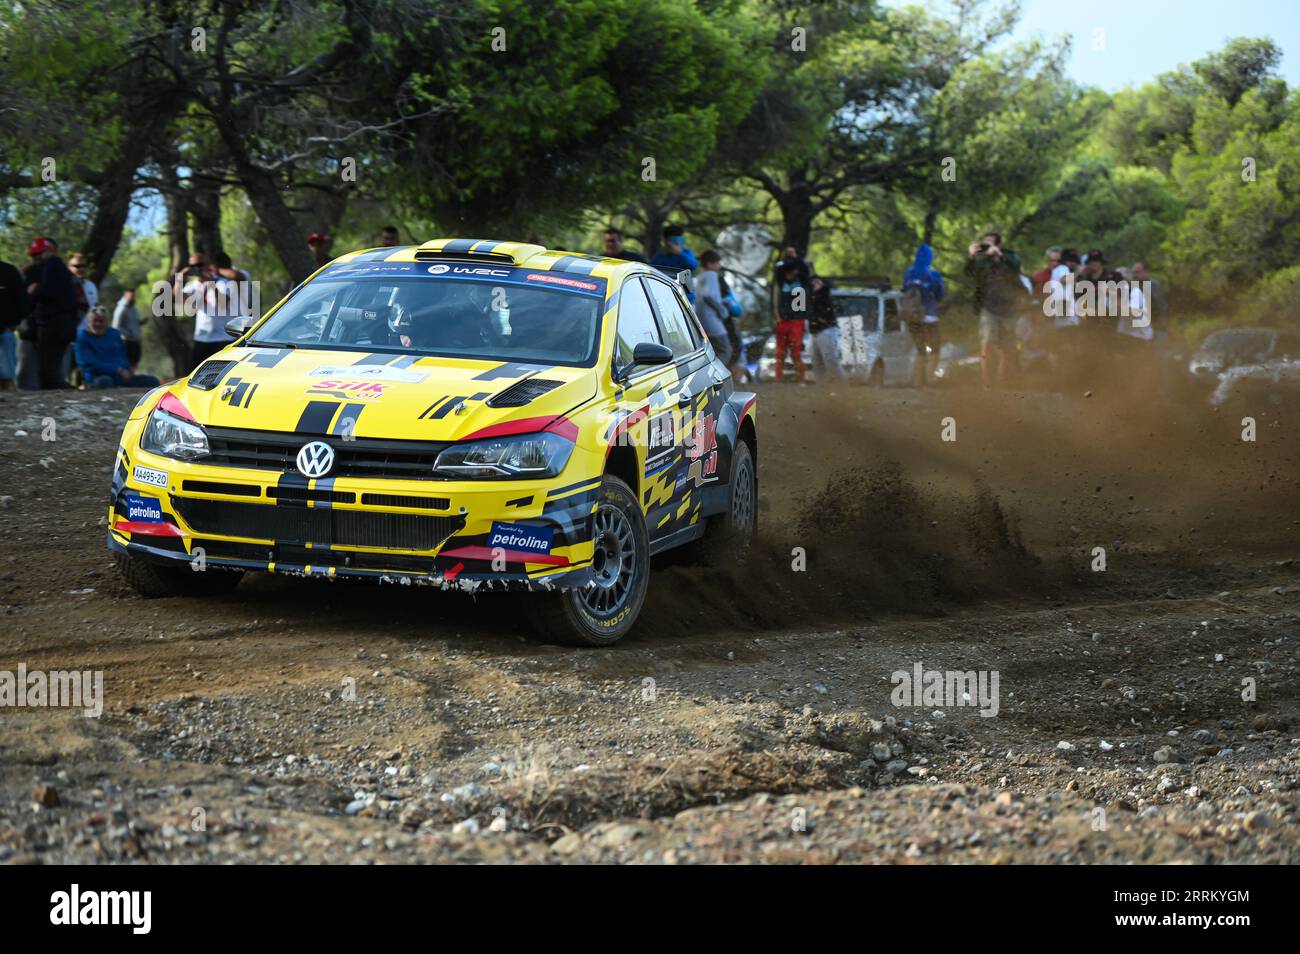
(55,332)
(1072,308)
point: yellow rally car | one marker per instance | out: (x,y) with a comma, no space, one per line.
(464,413)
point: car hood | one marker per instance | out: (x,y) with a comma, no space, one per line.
(383,395)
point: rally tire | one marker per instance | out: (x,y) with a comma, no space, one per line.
(727,535)
(154,580)
(602,614)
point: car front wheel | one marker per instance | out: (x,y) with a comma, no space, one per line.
(153,580)
(602,612)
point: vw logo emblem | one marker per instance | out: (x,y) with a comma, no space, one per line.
(315,459)
(439,269)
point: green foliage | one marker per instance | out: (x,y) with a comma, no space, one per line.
(844,142)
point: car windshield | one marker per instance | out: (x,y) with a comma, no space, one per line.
(1238,342)
(504,320)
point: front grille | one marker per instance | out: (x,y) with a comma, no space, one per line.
(317,525)
(401,500)
(356,457)
(303,493)
(221,487)
(288,553)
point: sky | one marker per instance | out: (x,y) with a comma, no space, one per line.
(1142,38)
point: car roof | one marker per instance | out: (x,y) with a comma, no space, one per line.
(488,252)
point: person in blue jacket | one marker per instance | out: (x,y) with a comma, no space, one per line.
(674,257)
(101,355)
(924,326)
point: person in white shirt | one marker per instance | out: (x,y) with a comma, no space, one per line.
(209,296)
(1060,291)
(1138,322)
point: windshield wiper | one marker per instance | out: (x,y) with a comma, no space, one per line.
(254,343)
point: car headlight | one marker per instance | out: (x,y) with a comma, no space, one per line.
(524,455)
(171,436)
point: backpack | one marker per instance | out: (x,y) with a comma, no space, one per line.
(912,306)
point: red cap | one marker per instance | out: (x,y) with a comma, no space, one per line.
(40,245)
(317,237)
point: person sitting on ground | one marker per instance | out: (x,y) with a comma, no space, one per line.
(101,355)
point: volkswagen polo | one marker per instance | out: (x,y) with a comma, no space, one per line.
(471,414)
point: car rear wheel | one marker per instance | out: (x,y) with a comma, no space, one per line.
(727,535)
(153,580)
(602,613)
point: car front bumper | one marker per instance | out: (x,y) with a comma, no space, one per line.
(446,533)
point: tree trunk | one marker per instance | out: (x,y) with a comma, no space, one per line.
(797,219)
(172,329)
(113,205)
(655,217)
(178,231)
(931,217)
(205,206)
(264,196)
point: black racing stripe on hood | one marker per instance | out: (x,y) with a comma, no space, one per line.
(511,369)
(316,417)
(374,359)
(351,412)
(268,359)
(446,407)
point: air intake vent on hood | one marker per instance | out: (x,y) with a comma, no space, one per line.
(210,373)
(521,392)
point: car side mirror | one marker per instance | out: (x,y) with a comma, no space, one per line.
(645,354)
(238,327)
(651,352)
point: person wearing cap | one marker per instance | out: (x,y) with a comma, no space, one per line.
(101,355)
(319,243)
(388,237)
(53,296)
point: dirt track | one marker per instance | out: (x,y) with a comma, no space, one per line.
(749,703)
